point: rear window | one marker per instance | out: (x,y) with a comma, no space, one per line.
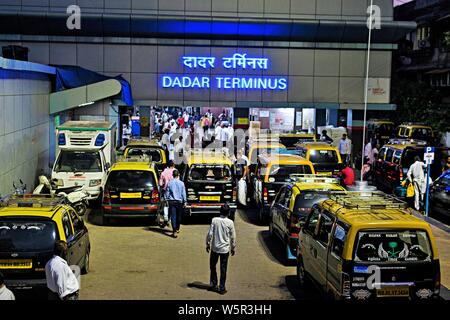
(323,156)
(153,154)
(385,129)
(24,235)
(281,173)
(131,179)
(393,246)
(309,198)
(421,133)
(210,173)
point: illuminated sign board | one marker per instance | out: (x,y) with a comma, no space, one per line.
(236,61)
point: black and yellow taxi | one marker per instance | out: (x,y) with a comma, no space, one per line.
(209,180)
(381,130)
(394,160)
(29,227)
(415,131)
(131,190)
(293,203)
(289,140)
(368,246)
(272,172)
(324,157)
(149,148)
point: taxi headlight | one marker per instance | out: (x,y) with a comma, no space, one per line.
(95,182)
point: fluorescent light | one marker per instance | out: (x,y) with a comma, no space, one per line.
(86,104)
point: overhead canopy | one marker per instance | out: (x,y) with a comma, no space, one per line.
(70,77)
(157,26)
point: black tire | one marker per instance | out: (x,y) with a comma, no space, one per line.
(85,269)
(302,277)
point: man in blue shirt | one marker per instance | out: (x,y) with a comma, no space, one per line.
(176,196)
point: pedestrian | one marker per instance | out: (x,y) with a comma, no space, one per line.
(5,293)
(324,137)
(224,135)
(347,175)
(446,165)
(176,196)
(61,281)
(126,134)
(186,120)
(220,241)
(345,148)
(416,175)
(367,151)
(167,175)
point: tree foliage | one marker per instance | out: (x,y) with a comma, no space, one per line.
(420,102)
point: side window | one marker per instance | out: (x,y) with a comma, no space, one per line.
(397,157)
(326,224)
(287,197)
(389,154)
(312,221)
(339,238)
(76,221)
(382,153)
(67,226)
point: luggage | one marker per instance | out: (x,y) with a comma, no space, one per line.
(242,191)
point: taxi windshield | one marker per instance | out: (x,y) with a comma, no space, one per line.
(19,235)
(130,179)
(323,156)
(153,154)
(210,172)
(281,173)
(393,246)
(76,161)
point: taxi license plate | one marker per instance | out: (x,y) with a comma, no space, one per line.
(393,292)
(209,198)
(16,264)
(130,195)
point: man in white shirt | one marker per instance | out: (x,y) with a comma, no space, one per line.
(5,293)
(224,135)
(417,177)
(345,149)
(61,281)
(367,150)
(221,240)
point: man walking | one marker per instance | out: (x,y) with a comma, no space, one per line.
(5,293)
(61,282)
(345,148)
(176,195)
(416,175)
(221,240)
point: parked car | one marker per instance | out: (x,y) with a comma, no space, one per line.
(367,246)
(209,181)
(380,130)
(131,190)
(394,160)
(440,195)
(272,172)
(324,157)
(292,205)
(415,131)
(149,148)
(29,227)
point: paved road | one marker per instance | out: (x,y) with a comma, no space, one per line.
(136,261)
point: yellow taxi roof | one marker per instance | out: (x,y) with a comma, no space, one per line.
(283,159)
(415,126)
(143,143)
(44,212)
(131,165)
(317,146)
(208,158)
(318,186)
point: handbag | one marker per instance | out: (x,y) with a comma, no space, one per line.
(410,190)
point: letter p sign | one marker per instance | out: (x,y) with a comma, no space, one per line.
(74,20)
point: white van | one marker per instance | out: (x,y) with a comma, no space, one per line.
(85,151)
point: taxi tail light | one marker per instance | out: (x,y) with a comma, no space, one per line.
(266,194)
(155,196)
(294,228)
(106,196)
(400,169)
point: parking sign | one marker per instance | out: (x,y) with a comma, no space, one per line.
(429,155)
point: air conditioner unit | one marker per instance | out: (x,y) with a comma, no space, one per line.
(424,44)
